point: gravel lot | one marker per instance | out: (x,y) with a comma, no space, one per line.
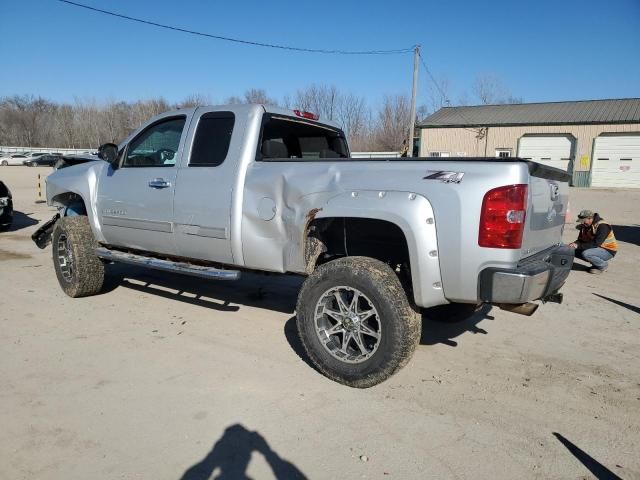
(165,377)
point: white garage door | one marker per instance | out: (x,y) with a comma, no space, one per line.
(616,161)
(553,151)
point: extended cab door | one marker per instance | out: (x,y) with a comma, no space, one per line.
(202,204)
(135,201)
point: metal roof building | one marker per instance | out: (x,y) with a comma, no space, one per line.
(598,141)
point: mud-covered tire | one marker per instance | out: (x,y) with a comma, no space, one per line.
(80,272)
(452,312)
(399,322)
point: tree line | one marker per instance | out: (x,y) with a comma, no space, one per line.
(33,121)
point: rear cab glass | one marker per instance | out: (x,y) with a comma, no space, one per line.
(293,139)
(212,139)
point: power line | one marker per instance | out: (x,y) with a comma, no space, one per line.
(433,79)
(446,98)
(244,42)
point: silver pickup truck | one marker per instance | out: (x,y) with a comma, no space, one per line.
(215,191)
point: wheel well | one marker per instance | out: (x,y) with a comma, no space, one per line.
(73,203)
(329,238)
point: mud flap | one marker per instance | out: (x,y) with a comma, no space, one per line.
(42,236)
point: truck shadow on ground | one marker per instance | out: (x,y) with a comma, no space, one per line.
(231,456)
(272,292)
(627,233)
(438,328)
(434,330)
(20,220)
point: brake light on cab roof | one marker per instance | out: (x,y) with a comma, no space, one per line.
(307,115)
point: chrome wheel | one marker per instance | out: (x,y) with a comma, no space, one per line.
(65,257)
(347,324)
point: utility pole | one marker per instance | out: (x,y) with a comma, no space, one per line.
(412,122)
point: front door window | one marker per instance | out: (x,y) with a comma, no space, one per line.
(156,146)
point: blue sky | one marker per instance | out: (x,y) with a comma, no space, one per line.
(542,50)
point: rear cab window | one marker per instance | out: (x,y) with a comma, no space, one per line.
(212,139)
(293,139)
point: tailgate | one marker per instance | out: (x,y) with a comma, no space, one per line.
(547,207)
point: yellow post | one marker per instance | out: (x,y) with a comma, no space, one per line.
(39,200)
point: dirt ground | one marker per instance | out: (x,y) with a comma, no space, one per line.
(166,377)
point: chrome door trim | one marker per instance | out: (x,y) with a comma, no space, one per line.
(137,223)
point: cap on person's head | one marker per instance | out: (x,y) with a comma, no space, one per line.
(584,214)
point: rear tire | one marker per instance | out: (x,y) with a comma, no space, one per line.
(80,272)
(5,163)
(380,327)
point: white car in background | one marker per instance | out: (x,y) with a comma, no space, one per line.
(12,159)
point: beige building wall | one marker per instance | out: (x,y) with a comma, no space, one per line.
(480,142)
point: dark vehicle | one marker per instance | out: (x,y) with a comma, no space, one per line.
(47,160)
(70,160)
(6,206)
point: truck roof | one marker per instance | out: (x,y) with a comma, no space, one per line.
(238,108)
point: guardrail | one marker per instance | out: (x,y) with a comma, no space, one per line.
(12,149)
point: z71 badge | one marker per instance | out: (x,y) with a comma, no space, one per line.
(445,177)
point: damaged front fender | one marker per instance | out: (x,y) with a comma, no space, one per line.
(42,236)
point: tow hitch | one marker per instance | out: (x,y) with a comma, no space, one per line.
(529,308)
(42,236)
(555,297)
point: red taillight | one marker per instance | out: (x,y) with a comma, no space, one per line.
(502,217)
(309,115)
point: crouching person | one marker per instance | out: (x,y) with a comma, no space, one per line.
(596,243)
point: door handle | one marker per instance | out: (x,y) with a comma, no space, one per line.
(159,183)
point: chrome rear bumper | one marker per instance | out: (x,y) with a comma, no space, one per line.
(533,279)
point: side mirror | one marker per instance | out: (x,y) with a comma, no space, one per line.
(108,152)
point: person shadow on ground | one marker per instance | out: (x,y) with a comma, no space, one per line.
(231,455)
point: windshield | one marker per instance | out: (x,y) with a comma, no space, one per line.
(290,138)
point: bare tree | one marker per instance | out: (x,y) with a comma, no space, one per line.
(286,102)
(320,99)
(26,119)
(511,99)
(142,110)
(34,121)
(253,95)
(195,100)
(88,123)
(392,121)
(489,89)
(422,112)
(233,100)
(353,115)
(66,126)
(258,95)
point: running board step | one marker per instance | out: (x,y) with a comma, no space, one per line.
(167,265)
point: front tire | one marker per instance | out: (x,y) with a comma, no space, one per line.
(355,321)
(80,272)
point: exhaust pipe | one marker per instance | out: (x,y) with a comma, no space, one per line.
(520,308)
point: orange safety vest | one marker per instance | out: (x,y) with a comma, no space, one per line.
(610,242)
